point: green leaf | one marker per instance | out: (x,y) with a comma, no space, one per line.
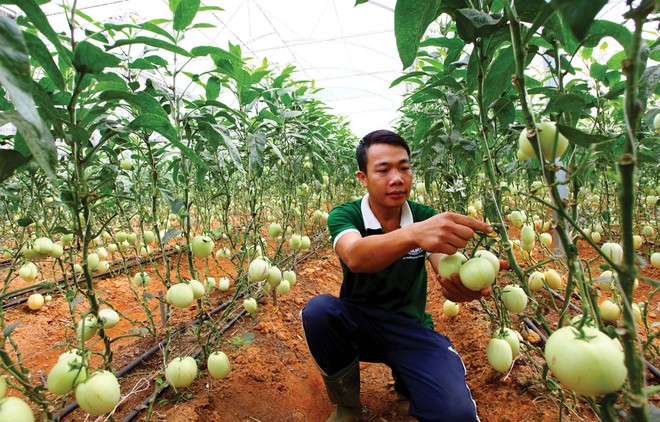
(217,54)
(290,114)
(171,233)
(407,76)
(34,13)
(79,135)
(147,26)
(153,42)
(234,154)
(212,88)
(499,71)
(173,5)
(648,82)
(277,151)
(207,8)
(579,14)
(185,13)
(156,123)
(598,71)
(456,105)
(256,143)
(646,157)
(10,160)
(411,18)
(444,42)
(565,103)
(145,103)
(358,2)
(422,126)
(175,204)
(472,24)
(615,62)
(15,77)
(248,337)
(40,52)
(88,58)
(24,222)
(504,110)
(8,329)
(202,25)
(583,139)
(141,64)
(604,28)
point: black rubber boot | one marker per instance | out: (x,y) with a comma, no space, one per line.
(344,390)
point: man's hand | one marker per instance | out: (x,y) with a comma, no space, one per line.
(447,232)
(454,290)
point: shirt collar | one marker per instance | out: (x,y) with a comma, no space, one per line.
(370,220)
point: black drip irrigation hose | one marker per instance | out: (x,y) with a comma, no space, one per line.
(145,404)
(126,369)
(169,252)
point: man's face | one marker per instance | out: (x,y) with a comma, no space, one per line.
(389,177)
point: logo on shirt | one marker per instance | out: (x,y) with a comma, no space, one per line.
(415,253)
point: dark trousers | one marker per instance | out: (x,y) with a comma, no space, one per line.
(425,366)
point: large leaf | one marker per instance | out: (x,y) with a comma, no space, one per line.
(173,5)
(411,18)
(185,13)
(583,139)
(498,77)
(174,203)
(648,82)
(256,143)
(234,154)
(422,126)
(40,52)
(88,58)
(604,28)
(215,52)
(143,101)
(15,76)
(406,76)
(152,42)
(156,123)
(472,24)
(456,104)
(148,26)
(579,14)
(10,160)
(565,103)
(212,88)
(34,13)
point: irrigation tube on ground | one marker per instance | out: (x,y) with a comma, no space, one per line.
(126,369)
(154,396)
(62,280)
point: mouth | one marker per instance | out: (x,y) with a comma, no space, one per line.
(397,194)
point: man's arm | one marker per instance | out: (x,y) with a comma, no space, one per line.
(442,233)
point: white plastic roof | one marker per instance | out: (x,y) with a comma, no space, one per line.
(348,51)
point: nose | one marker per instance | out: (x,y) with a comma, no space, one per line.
(397,178)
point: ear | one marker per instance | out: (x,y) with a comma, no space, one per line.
(362,176)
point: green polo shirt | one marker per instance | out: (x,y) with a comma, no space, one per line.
(399,288)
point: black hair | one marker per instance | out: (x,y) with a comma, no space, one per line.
(381,136)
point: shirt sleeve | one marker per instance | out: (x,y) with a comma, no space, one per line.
(342,219)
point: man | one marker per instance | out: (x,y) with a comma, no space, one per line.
(382,241)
